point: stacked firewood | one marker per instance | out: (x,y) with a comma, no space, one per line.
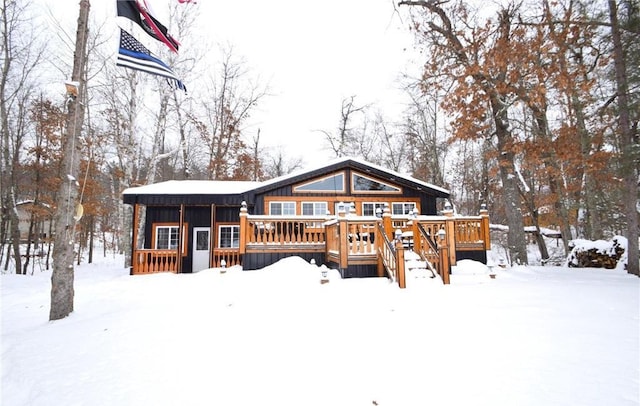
(584,256)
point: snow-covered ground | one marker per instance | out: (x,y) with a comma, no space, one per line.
(531,336)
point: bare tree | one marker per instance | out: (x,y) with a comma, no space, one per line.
(280,164)
(229,100)
(421,132)
(20,58)
(62,291)
(345,140)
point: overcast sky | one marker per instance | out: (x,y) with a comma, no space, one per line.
(313,54)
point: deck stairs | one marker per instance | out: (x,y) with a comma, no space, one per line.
(418,267)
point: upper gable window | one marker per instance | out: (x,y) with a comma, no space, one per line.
(332,184)
(361,183)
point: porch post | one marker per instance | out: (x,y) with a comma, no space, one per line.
(181,240)
(212,233)
(134,239)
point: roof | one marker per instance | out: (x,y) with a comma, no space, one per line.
(339,163)
(193,187)
(224,192)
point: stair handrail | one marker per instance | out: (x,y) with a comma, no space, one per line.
(425,236)
(387,252)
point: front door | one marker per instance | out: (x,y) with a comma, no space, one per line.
(201,248)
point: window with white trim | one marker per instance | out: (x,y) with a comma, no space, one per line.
(314,208)
(403,208)
(369,208)
(167,237)
(229,236)
(282,208)
(344,206)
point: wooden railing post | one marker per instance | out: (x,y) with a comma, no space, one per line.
(445,265)
(243,227)
(450,229)
(400,268)
(343,235)
(386,222)
(484,218)
(417,238)
(379,240)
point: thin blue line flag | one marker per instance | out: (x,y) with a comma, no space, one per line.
(132,54)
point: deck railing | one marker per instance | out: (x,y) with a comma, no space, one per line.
(230,256)
(258,232)
(146,261)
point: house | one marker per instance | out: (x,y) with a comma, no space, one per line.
(345,214)
(34,218)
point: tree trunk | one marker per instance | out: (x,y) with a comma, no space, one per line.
(627,143)
(91,227)
(516,241)
(62,277)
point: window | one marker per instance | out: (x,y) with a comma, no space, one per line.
(282,208)
(332,183)
(229,236)
(361,183)
(402,208)
(314,208)
(165,236)
(202,240)
(344,206)
(369,208)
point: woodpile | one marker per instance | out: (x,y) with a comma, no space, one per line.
(596,254)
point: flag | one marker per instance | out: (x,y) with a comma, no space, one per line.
(140,14)
(132,54)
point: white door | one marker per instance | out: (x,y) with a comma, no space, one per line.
(201,248)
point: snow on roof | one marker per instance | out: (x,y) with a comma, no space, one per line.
(217,187)
(193,187)
(359,161)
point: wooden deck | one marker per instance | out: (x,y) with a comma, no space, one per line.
(344,241)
